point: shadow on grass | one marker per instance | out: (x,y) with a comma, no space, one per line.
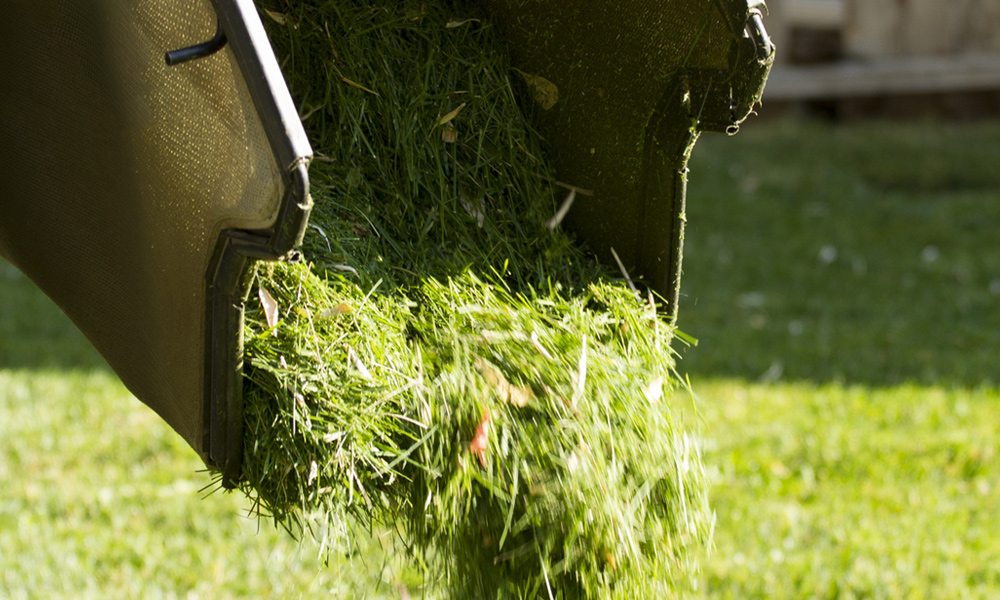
(861,253)
(34,333)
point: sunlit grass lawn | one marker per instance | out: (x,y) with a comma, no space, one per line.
(832,491)
(844,285)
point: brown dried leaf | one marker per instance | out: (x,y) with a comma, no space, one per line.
(277,17)
(543,91)
(454,24)
(448,117)
(489,372)
(449,134)
(518,396)
(341,309)
(270,306)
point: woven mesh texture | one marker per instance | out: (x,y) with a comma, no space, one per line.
(117,174)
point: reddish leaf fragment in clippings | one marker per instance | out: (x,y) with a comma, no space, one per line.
(480,441)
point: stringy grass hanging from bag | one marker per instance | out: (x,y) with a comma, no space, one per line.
(443,364)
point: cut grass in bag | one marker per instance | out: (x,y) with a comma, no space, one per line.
(443,364)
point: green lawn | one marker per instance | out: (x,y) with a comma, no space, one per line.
(844,284)
(863,254)
(100,499)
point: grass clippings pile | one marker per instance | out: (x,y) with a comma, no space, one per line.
(442,364)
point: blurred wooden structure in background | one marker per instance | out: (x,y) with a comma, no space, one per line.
(855,52)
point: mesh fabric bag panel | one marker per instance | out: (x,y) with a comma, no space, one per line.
(117,174)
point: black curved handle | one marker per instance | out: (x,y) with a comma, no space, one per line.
(182,55)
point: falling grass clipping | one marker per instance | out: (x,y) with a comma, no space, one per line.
(441,364)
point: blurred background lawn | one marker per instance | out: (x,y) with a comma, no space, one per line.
(844,285)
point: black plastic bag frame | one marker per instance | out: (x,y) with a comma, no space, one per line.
(227,277)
